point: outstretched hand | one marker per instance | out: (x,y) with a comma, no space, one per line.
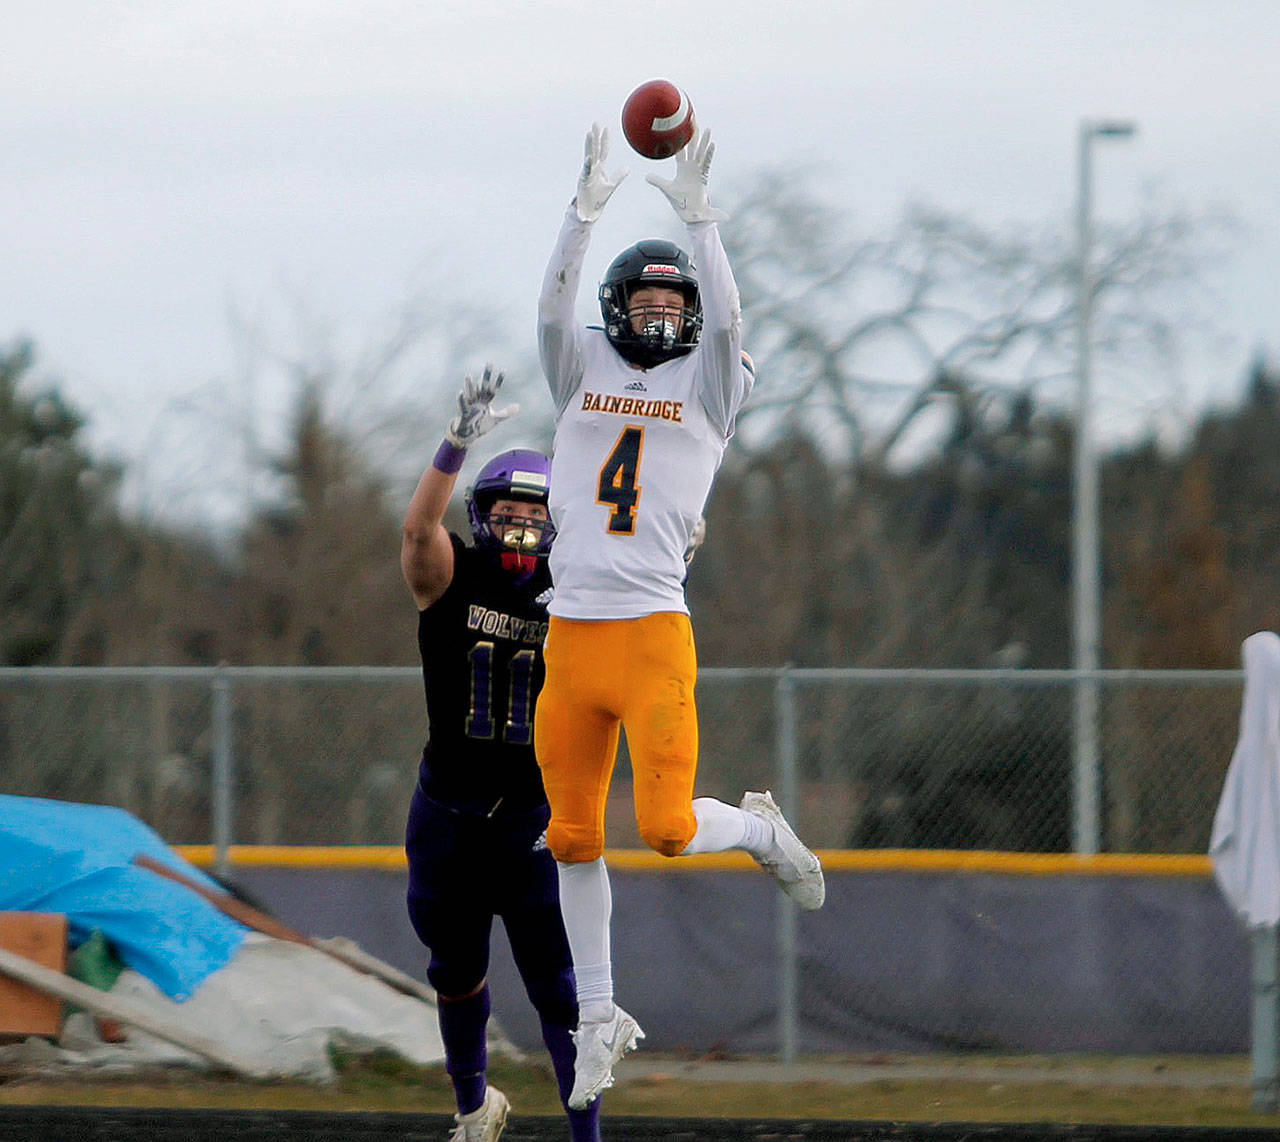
(476,414)
(696,537)
(687,191)
(594,185)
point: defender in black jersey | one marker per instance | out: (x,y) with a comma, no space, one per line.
(475,837)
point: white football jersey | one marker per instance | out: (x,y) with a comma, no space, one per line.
(635,449)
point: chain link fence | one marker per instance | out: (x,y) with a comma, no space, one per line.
(866,758)
(902,957)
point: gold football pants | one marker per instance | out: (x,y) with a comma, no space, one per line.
(603,675)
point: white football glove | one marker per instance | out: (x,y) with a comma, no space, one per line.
(687,192)
(698,534)
(594,186)
(476,414)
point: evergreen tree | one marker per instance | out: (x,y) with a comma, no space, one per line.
(55,502)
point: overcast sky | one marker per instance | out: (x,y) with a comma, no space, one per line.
(168,163)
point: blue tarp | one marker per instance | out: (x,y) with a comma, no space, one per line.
(57,856)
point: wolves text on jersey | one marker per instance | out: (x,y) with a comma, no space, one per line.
(633,406)
(495,623)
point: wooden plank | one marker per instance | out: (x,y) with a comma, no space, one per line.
(152,1020)
(352,954)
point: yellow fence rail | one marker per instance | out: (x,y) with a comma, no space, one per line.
(390,858)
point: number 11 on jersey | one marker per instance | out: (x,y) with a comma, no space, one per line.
(617,488)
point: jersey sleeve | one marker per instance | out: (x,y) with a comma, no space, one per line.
(725,373)
(559,335)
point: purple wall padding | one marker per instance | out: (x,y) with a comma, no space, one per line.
(895,961)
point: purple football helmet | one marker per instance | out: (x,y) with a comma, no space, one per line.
(520,474)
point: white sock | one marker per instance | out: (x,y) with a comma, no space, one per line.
(722,827)
(586,902)
(760,839)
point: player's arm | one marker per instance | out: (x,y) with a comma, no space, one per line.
(559,344)
(725,374)
(426,553)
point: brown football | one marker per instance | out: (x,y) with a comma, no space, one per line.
(657,119)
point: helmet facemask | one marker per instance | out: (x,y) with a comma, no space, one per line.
(662,326)
(518,539)
(653,262)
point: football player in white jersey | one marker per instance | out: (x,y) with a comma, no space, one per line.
(644,408)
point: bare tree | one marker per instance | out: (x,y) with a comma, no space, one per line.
(386,388)
(857,338)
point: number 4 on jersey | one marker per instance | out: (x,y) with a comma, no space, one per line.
(618,488)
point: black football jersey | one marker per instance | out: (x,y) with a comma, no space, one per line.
(481,645)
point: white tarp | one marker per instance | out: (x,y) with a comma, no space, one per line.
(1245,842)
(280,1004)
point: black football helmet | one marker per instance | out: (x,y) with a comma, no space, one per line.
(655,262)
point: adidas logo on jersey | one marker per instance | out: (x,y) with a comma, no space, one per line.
(636,387)
(540,845)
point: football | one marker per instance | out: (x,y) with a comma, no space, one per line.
(657,119)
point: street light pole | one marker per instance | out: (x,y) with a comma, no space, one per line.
(1086,576)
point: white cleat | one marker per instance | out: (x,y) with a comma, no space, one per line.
(795,867)
(486,1122)
(599,1046)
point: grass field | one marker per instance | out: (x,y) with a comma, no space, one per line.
(1157,1092)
